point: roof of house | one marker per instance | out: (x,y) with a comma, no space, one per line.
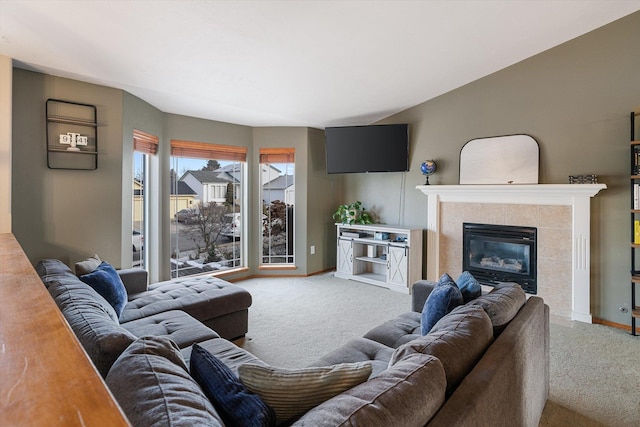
(281,182)
(206,177)
(182,189)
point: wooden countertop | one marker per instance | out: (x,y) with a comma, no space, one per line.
(46,378)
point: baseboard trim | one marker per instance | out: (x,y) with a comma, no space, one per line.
(265,276)
(612,324)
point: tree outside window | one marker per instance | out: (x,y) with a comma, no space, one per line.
(277,183)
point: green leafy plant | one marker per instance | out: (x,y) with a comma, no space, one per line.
(353,213)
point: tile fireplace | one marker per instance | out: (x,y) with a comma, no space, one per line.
(559,212)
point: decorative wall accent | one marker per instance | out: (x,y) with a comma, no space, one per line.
(512,159)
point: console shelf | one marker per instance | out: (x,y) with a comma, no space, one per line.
(378,254)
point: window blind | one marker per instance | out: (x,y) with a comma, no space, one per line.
(202,150)
(145,142)
(277,155)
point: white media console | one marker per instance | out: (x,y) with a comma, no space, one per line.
(379,254)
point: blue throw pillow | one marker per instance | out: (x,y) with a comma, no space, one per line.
(469,286)
(445,297)
(106,281)
(236,405)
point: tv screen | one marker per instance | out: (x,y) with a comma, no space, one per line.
(376,148)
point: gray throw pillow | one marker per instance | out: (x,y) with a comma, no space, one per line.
(501,304)
(88,265)
(407,394)
(151,383)
(459,340)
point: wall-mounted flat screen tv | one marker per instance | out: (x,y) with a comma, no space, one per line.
(375,148)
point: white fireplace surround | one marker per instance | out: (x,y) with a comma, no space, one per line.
(575,195)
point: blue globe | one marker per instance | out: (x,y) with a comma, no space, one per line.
(428,167)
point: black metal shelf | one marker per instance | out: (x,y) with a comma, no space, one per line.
(72,135)
(635,209)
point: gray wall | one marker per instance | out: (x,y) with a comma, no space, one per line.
(324,195)
(66,214)
(70,215)
(575,101)
(140,115)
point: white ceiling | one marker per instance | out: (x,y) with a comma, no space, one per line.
(289,63)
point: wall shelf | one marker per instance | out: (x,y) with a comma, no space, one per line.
(72,137)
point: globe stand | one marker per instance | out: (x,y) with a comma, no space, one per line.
(428,168)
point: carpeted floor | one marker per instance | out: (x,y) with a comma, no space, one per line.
(595,369)
(595,376)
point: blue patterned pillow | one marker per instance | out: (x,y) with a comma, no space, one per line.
(469,286)
(106,281)
(445,297)
(236,405)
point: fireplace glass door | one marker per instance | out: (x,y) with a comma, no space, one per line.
(497,253)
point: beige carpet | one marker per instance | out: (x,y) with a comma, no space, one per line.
(595,369)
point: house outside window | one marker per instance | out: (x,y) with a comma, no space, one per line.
(138,204)
(277,185)
(206,208)
(144,145)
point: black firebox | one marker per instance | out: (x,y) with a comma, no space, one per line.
(501,253)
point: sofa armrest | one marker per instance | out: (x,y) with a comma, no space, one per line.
(134,279)
(419,293)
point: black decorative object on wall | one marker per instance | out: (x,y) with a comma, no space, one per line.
(72,135)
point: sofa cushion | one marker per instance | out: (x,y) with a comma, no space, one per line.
(407,394)
(235,404)
(469,286)
(445,297)
(359,350)
(225,351)
(106,282)
(153,387)
(93,321)
(395,332)
(88,265)
(53,270)
(502,304)
(292,392)
(181,328)
(203,297)
(459,340)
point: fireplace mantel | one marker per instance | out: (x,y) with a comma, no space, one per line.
(575,195)
(516,193)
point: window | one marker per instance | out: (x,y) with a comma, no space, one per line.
(207,185)
(277,184)
(144,145)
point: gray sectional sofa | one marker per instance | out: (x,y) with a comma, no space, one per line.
(178,309)
(485,363)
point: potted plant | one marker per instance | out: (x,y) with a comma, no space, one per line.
(353,213)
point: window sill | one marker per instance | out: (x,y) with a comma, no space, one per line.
(277,267)
(230,271)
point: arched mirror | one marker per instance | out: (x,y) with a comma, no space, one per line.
(512,159)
